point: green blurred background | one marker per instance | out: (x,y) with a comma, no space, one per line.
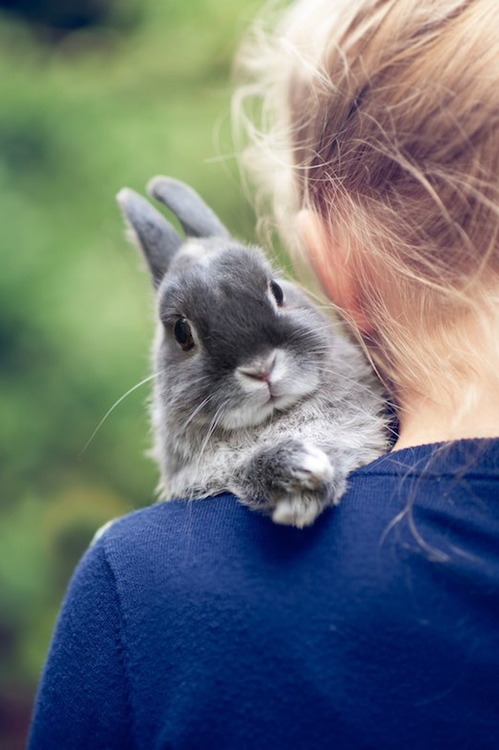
(88,104)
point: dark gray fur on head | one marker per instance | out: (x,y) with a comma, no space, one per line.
(256,390)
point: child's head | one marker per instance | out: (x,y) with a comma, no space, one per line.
(382,120)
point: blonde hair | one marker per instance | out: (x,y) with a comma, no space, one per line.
(382,117)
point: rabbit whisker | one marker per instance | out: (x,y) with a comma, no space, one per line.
(344,378)
(198,409)
(331,326)
(211,429)
(113,407)
(337,373)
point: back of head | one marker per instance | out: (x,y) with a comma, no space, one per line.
(384,121)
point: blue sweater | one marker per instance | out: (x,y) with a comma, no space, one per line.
(204,625)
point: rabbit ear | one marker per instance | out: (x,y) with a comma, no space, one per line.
(197,219)
(157,239)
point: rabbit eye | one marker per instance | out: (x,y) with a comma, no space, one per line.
(183,334)
(277,292)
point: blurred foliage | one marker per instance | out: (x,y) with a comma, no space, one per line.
(80,118)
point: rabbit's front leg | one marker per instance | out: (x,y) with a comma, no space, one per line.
(291,481)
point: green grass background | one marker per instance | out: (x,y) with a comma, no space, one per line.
(78,120)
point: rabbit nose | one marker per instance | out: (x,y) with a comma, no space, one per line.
(259,369)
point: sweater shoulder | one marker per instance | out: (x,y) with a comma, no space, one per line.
(161,519)
(168,531)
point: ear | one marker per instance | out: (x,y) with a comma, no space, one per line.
(157,239)
(197,219)
(331,265)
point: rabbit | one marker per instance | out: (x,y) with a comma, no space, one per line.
(256,391)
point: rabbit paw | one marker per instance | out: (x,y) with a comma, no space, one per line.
(309,479)
(309,468)
(299,511)
(295,482)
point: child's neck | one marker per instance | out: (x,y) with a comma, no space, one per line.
(470,413)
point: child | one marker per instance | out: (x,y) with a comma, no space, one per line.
(204,625)
(386,139)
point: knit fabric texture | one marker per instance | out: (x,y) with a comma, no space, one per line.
(204,625)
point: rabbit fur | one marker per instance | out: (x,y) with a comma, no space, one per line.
(256,391)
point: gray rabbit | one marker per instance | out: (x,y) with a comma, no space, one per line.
(256,391)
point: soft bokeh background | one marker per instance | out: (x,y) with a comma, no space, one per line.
(94,95)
